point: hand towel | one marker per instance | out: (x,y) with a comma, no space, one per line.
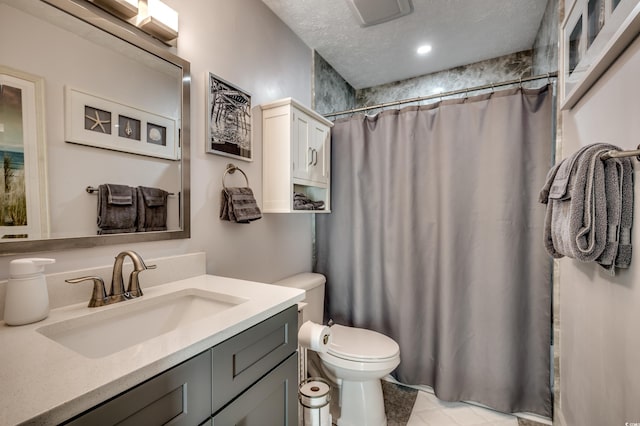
(239,205)
(623,256)
(152,209)
(117,209)
(588,200)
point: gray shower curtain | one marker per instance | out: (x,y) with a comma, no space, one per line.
(435,239)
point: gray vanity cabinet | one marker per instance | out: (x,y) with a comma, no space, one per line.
(249,379)
(179,396)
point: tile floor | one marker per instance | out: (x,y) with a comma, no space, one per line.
(430,411)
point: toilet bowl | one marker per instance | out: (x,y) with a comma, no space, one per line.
(355,360)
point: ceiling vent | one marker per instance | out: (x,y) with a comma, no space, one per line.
(372,12)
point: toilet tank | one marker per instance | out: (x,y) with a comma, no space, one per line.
(313,285)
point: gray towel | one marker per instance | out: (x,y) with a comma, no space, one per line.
(302,202)
(623,257)
(152,209)
(117,209)
(590,208)
(239,205)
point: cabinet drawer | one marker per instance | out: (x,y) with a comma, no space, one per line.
(243,359)
(270,402)
(180,396)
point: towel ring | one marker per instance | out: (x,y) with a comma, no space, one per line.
(231,168)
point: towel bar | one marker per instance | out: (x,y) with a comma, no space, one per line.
(91,190)
(231,168)
(614,153)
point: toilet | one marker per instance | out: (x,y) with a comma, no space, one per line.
(355,361)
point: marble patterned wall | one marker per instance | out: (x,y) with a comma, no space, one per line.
(330,91)
(495,70)
(545,47)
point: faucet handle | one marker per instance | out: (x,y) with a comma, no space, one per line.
(133,289)
(99,296)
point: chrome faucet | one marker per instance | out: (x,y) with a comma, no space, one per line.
(117,282)
(117,292)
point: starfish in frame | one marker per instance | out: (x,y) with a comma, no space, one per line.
(97,121)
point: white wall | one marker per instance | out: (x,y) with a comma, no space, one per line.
(599,314)
(243,42)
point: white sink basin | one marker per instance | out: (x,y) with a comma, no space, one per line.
(129,323)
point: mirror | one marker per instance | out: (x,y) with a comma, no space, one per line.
(98,102)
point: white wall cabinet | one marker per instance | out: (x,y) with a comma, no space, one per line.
(296,144)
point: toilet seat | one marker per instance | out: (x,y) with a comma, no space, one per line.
(361,345)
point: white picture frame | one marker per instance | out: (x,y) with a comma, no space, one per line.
(594,34)
(23,131)
(229,131)
(99,122)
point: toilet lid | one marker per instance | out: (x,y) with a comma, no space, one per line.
(361,344)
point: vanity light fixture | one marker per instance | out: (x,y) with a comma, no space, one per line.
(123,9)
(424,49)
(158,19)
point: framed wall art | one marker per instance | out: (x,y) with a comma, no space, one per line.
(95,121)
(594,34)
(24,213)
(228,120)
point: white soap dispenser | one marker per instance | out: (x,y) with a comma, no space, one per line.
(27,298)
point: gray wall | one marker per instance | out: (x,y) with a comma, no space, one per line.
(545,47)
(494,70)
(243,42)
(600,314)
(331,92)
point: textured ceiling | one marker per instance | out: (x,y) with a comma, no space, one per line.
(460,32)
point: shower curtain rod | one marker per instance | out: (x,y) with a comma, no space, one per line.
(548,76)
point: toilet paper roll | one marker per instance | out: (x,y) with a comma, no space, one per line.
(315,395)
(317,416)
(314,336)
(314,392)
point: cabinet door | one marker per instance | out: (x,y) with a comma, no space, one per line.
(319,146)
(180,396)
(270,402)
(242,360)
(300,145)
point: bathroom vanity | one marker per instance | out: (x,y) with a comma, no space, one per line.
(218,350)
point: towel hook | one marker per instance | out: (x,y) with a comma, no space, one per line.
(231,168)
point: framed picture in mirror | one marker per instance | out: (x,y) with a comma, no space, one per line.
(228,120)
(23,186)
(95,121)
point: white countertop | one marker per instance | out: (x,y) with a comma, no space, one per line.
(43,382)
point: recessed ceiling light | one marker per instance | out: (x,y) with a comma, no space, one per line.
(422,50)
